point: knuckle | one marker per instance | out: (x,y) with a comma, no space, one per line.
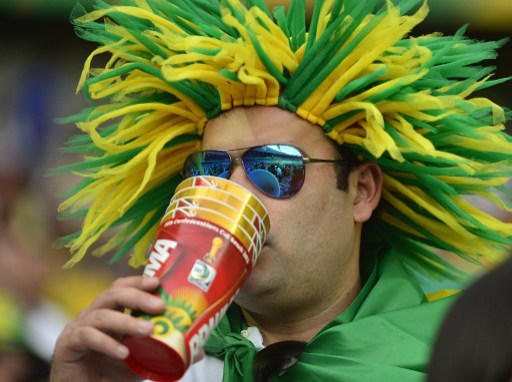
(82,314)
(97,318)
(70,329)
(81,334)
(109,294)
(119,282)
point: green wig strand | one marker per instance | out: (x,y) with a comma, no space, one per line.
(406,103)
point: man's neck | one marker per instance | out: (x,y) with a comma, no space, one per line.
(303,324)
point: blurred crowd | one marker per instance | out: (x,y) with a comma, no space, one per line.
(37,297)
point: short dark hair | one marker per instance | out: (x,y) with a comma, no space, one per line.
(343,169)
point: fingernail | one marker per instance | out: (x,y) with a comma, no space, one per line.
(122,351)
(144,326)
(155,301)
(150,281)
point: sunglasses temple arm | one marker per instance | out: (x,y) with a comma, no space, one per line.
(315,160)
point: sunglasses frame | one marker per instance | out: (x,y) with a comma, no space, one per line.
(240,159)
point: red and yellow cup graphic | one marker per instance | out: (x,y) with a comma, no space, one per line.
(205,248)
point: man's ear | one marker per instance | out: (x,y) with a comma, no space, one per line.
(368,190)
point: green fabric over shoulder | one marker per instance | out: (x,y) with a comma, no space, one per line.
(385,335)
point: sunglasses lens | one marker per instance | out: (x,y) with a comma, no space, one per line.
(277,170)
(214,163)
(276,358)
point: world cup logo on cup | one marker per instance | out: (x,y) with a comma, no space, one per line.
(205,248)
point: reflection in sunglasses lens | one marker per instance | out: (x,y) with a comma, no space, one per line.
(276,170)
(213,163)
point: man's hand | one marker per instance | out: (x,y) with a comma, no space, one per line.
(89,348)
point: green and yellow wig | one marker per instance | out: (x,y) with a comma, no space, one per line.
(168,66)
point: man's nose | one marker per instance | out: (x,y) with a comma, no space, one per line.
(239,176)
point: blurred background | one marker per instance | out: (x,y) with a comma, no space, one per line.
(40,63)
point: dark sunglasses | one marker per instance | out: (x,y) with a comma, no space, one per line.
(277,170)
(276,358)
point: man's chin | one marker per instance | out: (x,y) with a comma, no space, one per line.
(259,281)
(255,291)
(250,287)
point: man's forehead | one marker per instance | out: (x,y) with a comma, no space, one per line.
(256,120)
(258,125)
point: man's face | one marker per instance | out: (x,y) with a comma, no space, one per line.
(312,248)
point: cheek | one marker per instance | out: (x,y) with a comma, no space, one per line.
(317,216)
(293,222)
(276,214)
(325,218)
(285,223)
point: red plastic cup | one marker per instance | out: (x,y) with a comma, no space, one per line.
(202,262)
